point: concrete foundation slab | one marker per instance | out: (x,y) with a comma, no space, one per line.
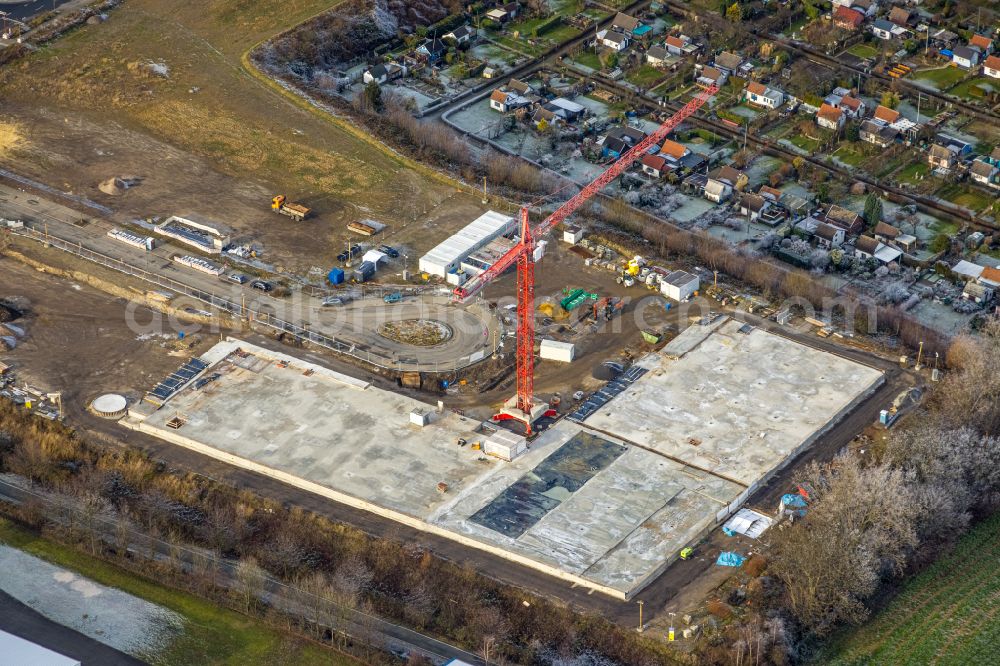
(606,504)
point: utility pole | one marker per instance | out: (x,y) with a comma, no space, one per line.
(640,602)
(920,355)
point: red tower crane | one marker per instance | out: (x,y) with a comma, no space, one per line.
(523,254)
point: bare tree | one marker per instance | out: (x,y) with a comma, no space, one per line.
(250,582)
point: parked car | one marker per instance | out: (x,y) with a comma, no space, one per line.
(333,301)
(262,286)
(354,251)
(394,297)
(238,278)
(389,250)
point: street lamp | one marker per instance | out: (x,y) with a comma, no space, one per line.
(640,602)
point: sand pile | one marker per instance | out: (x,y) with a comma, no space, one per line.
(117,186)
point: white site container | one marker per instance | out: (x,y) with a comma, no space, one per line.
(505,445)
(553,350)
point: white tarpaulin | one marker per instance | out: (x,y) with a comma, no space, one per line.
(747,522)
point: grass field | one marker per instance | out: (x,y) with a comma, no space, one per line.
(963,89)
(212,635)
(209,106)
(645,76)
(941,78)
(946,615)
(967,196)
(912,173)
(588,59)
(863,51)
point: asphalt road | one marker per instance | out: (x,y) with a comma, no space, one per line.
(28,8)
(21,620)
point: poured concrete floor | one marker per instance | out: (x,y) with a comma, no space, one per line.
(609,512)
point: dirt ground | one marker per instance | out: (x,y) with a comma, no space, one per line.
(209,138)
(78,340)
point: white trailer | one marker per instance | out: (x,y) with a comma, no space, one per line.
(553,350)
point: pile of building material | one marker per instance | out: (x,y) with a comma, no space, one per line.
(199,264)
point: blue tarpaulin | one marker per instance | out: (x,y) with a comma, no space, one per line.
(793,500)
(730,559)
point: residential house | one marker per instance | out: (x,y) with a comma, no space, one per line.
(380,74)
(722,182)
(753,205)
(506,101)
(848,19)
(710,76)
(978,293)
(991,66)
(505,12)
(543,117)
(654,165)
(717,191)
(984,173)
(520,87)
(990,277)
(848,220)
(566,109)
(728,62)
(967,270)
(679,45)
(852,106)
(673,151)
(657,56)
(866,7)
(619,140)
(940,157)
(830,117)
(614,40)
(982,44)
(883,29)
(760,95)
(886,233)
(771,193)
(828,236)
(901,17)
(878,134)
(614,147)
(625,24)
(866,247)
(885,115)
(464,35)
(434,49)
(965,57)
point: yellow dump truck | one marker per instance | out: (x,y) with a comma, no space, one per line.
(297,212)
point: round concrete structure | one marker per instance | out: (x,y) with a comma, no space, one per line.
(109,406)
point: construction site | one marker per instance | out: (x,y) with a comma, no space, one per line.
(602,478)
(596,499)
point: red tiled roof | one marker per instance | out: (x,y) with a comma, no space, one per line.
(852,103)
(886,114)
(673,149)
(831,113)
(993,62)
(654,162)
(843,15)
(982,42)
(675,42)
(756,88)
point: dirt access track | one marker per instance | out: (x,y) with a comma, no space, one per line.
(208,137)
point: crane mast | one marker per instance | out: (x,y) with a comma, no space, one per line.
(523,253)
